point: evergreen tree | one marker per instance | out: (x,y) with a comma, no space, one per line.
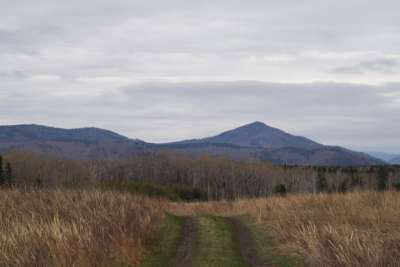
(343,187)
(9,179)
(39,182)
(355,181)
(321,184)
(382,178)
(280,189)
(2,178)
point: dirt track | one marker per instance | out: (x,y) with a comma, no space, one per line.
(246,244)
(187,248)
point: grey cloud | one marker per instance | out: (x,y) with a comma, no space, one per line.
(357,116)
(13,74)
(63,62)
(197,40)
(386,66)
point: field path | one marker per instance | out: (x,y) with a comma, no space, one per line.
(212,241)
(217,244)
(187,247)
(246,244)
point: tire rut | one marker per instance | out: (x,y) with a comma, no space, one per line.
(246,244)
(186,250)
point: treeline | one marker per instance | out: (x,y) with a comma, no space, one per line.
(6,173)
(205,177)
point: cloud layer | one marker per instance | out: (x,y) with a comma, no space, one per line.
(166,70)
(357,116)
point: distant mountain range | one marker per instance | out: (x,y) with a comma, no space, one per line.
(84,143)
(252,141)
(395,160)
(389,158)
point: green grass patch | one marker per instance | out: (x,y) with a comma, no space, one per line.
(167,244)
(266,247)
(216,245)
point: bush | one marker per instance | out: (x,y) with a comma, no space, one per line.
(280,189)
(172,193)
(382,178)
(397,186)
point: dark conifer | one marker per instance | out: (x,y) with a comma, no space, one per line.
(8,175)
(2,178)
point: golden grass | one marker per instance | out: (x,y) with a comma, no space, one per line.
(76,227)
(355,229)
(104,228)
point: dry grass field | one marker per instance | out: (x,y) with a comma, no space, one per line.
(76,227)
(105,228)
(354,229)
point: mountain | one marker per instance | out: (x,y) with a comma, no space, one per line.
(384,156)
(260,141)
(83,143)
(259,135)
(252,141)
(22,133)
(324,156)
(395,160)
(214,149)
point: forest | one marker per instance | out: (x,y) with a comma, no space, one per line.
(177,176)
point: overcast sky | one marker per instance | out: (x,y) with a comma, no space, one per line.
(169,70)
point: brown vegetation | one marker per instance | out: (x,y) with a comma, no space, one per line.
(354,229)
(213,177)
(76,227)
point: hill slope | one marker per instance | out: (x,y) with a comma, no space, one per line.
(324,156)
(260,141)
(83,143)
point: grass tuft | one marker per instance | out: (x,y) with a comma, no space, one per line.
(216,244)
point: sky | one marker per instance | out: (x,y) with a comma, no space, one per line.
(169,70)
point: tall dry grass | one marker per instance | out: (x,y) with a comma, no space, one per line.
(76,227)
(355,229)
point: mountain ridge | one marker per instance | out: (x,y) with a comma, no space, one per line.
(395,160)
(387,157)
(31,132)
(77,143)
(251,141)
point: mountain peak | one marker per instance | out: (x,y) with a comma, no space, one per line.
(255,125)
(258,134)
(259,125)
